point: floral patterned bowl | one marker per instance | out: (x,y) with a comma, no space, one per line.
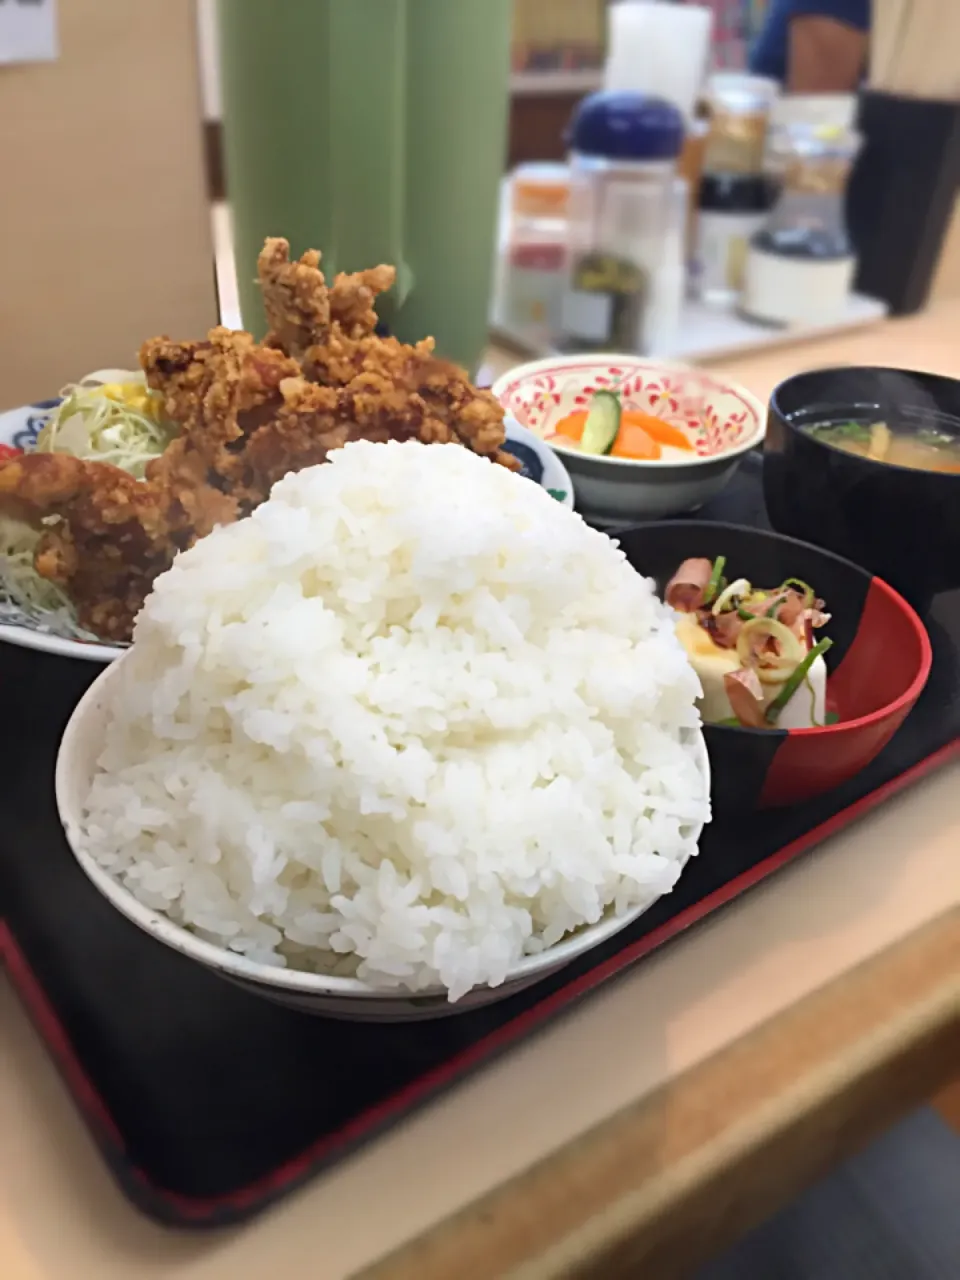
(721,420)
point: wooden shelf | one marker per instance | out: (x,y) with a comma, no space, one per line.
(539,83)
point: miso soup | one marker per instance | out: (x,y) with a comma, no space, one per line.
(918,447)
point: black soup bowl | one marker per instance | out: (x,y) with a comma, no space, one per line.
(901,523)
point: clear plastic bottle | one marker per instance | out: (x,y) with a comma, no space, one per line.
(622,205)
(533,264)
(668,283)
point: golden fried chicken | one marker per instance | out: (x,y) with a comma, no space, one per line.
(314,419)
(352,296)
(298,310)
(345,347)
(229,395)
(300,307)
(430,389)
(111,537)
(216,390)
(248,413)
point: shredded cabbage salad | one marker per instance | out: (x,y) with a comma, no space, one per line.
(109,416)
(21,585)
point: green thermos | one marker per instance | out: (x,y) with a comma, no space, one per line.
(373,130)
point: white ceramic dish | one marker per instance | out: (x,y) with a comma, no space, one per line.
(722,421)
(55,633)
(313,993)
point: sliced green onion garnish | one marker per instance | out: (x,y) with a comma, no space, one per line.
(771,668)
(739,589)
(851,430)
(716,574)
(807,591)
(793,682)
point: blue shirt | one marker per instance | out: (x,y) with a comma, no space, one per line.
(768,57)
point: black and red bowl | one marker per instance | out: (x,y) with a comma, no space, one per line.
(901,523)
(877,667)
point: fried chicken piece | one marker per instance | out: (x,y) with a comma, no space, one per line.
(112,536)
(344,346)
(192,499)
(295,296)
(208,387)
(249,413)
(314,419)
(430,386)
(352,297)
(300,307)
(218,391)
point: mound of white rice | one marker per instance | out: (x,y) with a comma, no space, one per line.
(411,720)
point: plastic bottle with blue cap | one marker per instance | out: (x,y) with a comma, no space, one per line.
(623,153)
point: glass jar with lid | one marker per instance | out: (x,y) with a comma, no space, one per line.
(622,211)
(739,108)
(800,266)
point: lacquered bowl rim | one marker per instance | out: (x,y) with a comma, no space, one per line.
(921,475)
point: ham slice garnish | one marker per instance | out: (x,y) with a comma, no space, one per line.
(688,586)
(791,608)
(811,619)
(723,628)
(745,693)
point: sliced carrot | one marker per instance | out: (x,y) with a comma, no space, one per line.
(572,425)
(633,442)
(656,428)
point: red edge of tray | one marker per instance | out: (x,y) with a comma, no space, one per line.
(174,1208)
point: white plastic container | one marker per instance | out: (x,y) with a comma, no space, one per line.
(800,267)
(668,280)
(532,272)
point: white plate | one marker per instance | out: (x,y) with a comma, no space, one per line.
(52,633)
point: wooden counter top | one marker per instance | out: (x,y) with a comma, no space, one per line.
(645,1129)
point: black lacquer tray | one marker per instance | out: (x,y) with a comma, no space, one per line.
(208,1103)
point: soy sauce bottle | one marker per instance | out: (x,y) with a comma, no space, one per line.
(732,209)
(735,192)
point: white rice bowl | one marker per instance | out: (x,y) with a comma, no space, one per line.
(410,721)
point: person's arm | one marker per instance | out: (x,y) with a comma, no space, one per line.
(827,45)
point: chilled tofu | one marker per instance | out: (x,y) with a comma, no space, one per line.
(806,708)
